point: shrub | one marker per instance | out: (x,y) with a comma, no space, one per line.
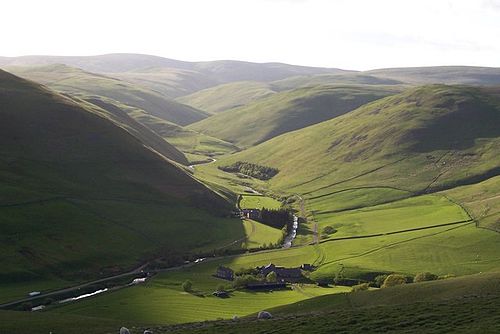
(393,280)
(329,230)
(379,280)
(425,276)
(360,287)
(220,287)
(272,277)
(187,286)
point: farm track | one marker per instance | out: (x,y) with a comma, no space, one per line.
(468,221)
(76,287)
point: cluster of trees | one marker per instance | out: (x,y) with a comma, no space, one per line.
(389,280)
(247,168)
(278,218)
(252,275)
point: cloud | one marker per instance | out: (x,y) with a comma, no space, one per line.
(491,4)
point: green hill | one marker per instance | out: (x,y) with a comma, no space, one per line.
(354,78)
(171,77)
(196,146)
(74,81)
(287,111)
(467,75)
(118,113)
(227,96)
(171,82)
(462,305)
(424,139)
(83,194)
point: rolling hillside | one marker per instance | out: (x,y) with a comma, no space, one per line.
(287,111)
(122,116)
(83,194)
(227,96)
(467,75)
(74,81)
(461,305)
(422,140)
(354,78)
(173,77)
(194,145)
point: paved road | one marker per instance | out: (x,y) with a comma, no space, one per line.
(73,288)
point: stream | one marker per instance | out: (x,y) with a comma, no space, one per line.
(289,238)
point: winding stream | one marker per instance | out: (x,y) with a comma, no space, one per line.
(289,238)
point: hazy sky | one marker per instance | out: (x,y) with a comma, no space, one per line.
(351,34)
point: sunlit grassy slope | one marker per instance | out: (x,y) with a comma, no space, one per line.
(227,96)
(463,305)
(424,139)
(380,239)
(482,201)
(287,111)
(468,75)
(354,78)
(258,202)
(82,195)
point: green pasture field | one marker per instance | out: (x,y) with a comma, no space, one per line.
(259,234)
(258,202)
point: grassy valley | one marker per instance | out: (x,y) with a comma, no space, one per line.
(383,176)
(421,140)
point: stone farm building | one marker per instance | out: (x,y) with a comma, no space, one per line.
(288,275)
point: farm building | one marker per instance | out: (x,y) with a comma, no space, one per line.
(251,213)
(224,273)
(289,275)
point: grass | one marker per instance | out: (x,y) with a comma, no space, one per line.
(286,111)
(196,145)
(42,322)
(353,78)
(83,196)
(259,235)
(382,144)
(227,96)
(481,200)
(458,249)
(442,308)
(416,212)
(163,302)
(465,75)
(71,80)
(258,202)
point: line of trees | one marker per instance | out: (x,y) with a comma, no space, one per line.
(277,218)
